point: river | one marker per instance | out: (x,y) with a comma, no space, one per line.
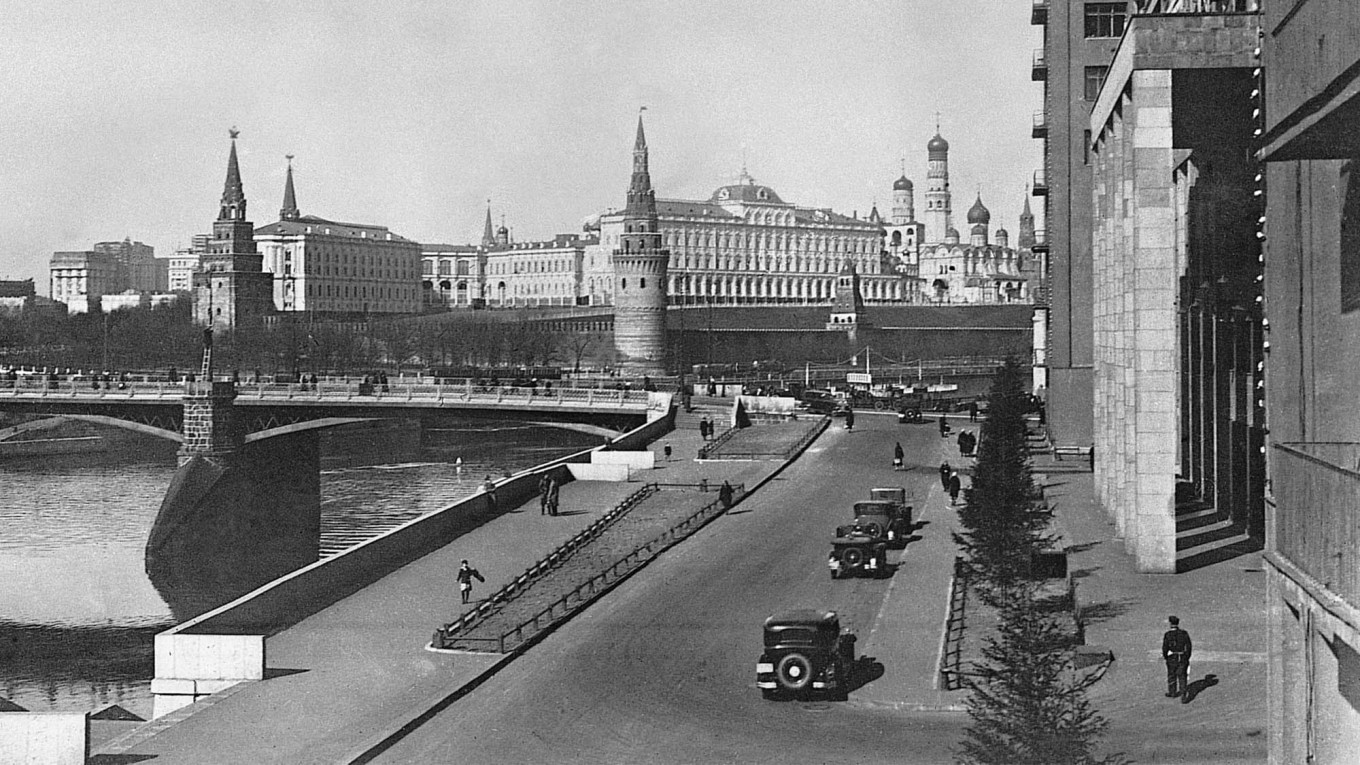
(77,610)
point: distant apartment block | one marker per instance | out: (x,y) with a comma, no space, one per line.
(80,277)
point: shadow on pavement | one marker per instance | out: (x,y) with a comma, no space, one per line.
(1099,612)
(118,759)
(1194,689)
(570,512)
(272,672)
(866,670)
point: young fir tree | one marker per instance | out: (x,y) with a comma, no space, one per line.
(1028,702)
(1004,524)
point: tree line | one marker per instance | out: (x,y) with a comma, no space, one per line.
(164,336)
(1027,702)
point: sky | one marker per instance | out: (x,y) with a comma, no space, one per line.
(411,115)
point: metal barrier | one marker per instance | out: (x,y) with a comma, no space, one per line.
(564,606)
(951,657)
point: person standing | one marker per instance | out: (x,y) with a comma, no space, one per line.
(898,455)
(466,574)
(489,486)
(850,419)
(544,483)
(703,429)
(955,486)
(945,470)
(1176,649)
(944,427)
(725,495)
(667,451)
(552,496)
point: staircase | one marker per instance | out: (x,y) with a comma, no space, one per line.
(1204,535)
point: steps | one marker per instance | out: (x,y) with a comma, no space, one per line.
(1205,536)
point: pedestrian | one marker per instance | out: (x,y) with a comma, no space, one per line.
(955,486)
(944,427)
(963,443)
(972,411)
(898,454)
(466,574)
(945,470)
(667,451)
(725,495)
(703,428)
(1176,649)
(489,486)
(552,496)
(849,419)
(544,483)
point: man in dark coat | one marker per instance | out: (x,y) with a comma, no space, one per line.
(725,495)
(945,470)
(543,493)
(898,456)
(955,486)
(466,574)
(1176,649)
(849,419)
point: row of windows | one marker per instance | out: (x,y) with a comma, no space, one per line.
(764,241)
(1105,19)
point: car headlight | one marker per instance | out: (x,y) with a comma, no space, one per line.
(764,668)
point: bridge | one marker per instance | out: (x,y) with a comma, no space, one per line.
(156,408)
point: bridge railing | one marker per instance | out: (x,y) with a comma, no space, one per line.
(30,387)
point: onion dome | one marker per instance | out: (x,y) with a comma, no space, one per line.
(902,184)
(979,229)
(951,233)
(978,213)
(1002,232)
(937,145)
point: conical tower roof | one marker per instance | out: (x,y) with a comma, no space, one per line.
(289,211)
(979,213)
(233,194)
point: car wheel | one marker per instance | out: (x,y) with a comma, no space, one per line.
(874,530)
(852,557)
(880,405)
(793,672)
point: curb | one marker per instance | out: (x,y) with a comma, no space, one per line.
(383,741)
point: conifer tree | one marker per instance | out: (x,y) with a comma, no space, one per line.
(1028,702)
(1004,524)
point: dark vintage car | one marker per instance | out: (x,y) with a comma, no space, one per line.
(885,519)
(855,553)
(806,653)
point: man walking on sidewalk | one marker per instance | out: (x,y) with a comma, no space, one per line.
(466,574)
(1176,649)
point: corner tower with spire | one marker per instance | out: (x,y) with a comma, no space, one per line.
(640,266)
(231,288)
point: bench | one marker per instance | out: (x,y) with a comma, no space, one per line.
(1071,451)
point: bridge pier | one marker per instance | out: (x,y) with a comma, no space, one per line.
(237,515)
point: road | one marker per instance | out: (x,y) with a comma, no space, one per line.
(662,670)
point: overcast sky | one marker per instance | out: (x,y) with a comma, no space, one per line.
(412,114)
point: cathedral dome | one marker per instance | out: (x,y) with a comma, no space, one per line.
(951,233)
(902,184)
(979,229)
(937,144)
(1002,232)
(978,213)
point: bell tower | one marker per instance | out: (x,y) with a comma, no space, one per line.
(640,266)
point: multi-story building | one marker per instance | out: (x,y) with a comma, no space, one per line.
(79,278)
(1177,326)
(183,262)
(1079,42)
(230,290)
(138,267)
(744,245)
(16,296)
(547,273)
(316,264)
(1310,145)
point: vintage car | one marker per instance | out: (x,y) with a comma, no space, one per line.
(885,519)
(855,552)
(806,652)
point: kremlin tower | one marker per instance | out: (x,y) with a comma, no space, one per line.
(640,276)
(231,288)
(939,218)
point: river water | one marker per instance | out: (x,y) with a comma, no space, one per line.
(77,610)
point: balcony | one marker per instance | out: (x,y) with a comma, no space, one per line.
(1317,524)
(1189,7)
(1040,126)
(1038,12)
(1040,241)
(1040,184)
(1038,71)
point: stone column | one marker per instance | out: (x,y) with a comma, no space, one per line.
(210,427)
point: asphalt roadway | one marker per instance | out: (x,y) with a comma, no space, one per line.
(662,670)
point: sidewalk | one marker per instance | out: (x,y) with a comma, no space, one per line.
(342,680)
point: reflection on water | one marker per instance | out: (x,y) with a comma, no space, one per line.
(78,612)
